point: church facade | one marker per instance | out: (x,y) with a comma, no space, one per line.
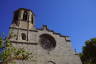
(47,46)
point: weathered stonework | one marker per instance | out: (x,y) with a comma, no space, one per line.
(61,54)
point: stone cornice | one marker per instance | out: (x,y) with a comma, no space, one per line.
(45,27)
(22,29)
(25,10)
(28,43)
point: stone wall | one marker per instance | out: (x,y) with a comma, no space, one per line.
(61,54)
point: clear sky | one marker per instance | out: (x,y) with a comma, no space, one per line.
(75,18)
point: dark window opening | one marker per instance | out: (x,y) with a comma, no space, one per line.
(25,16)
(32,19)
(23,36)
(16,15)
(15,18)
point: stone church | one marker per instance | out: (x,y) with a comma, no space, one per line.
(47,46)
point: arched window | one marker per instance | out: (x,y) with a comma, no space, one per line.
(32,19)
(25,15)
(23,35)
(16,15)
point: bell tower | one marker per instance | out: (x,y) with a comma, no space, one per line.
(23,18)
(22,24)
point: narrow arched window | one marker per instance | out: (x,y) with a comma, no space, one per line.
(25,16)
(32,19)
(23,35)
(16,15)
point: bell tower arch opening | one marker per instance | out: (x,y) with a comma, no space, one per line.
(23,17)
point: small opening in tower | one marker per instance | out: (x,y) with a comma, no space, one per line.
(32,19)
(25,16)
(15,18)
(16,14)
(23,35)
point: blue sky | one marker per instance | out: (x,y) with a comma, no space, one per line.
(75,18)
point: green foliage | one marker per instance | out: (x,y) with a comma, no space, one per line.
(11,53)
(1,42)
(21,54)
(88,55)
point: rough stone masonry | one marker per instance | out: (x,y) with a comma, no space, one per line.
(47,46)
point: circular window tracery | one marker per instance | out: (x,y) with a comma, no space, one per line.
(47,42)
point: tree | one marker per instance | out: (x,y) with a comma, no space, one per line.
(10,53)
(88,55)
